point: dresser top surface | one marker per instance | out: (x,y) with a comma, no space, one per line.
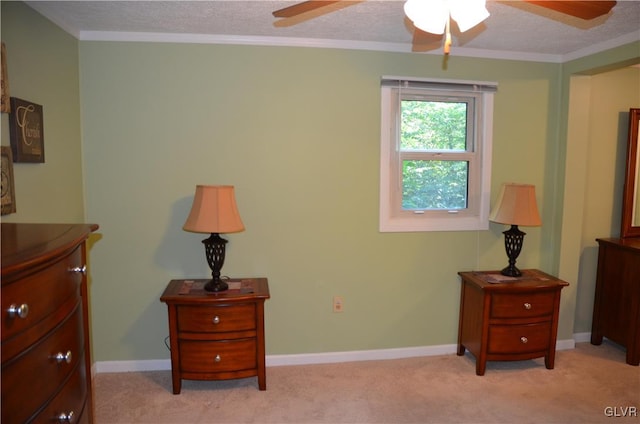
(630,243)
(24,245)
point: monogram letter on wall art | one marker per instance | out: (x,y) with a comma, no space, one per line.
(26,131)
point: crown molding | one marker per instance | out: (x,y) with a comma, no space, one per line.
(149,37)
(156,37)
(600,47)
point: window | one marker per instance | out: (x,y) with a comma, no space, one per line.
(435,158)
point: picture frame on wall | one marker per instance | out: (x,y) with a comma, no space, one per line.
(8,191)
(26,131)
(4,83)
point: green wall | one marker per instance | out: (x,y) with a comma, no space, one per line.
(614,92)
(597,144)
(297,132)
(43,68)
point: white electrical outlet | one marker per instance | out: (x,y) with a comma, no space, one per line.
(338,304)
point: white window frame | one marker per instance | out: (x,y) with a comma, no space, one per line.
(392,217)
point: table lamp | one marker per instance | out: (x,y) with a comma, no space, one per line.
(516,205)
(214,211)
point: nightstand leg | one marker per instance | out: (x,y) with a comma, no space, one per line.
(481,366)
(177,383)
(173,341)
(262,369)
(260,352)
(549,360)
(461,349)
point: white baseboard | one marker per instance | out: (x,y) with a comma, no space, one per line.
(582,337)
(565,344)
(318,358)
(358,355)
(132,366)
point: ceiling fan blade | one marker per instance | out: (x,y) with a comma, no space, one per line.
(300,8)
(580,9)
(424,41)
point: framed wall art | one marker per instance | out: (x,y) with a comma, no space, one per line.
(5,106)
(8,187)
(26,131)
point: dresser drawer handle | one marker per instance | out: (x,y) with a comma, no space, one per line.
(18,311)
(81,269)
(65,417)
(216,319)
(63,357)
(217,358)
(527,306)
(523,339)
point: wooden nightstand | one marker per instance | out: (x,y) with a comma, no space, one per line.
(509,319)
(216,336)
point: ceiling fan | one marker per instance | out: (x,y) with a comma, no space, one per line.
(586,10)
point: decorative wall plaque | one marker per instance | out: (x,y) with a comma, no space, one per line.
(8,190)
(5,106)
(26,131)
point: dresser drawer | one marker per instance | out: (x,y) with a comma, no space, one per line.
(70,400)
(522,305)
(514,339)
(43,292)
(30,378)
(219,318)
(218,356)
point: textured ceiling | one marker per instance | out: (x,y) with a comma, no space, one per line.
(514,29)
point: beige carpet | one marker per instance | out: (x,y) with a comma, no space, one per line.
(587,384)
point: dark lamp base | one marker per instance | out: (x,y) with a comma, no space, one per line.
(215,249)
(511,271)
(513,239)
(216,286)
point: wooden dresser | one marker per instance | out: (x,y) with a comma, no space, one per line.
(509,319)
(616,307)
(216,335)
(46,365)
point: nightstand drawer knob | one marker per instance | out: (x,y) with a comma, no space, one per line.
(18,311)
(217,358)
(216,320)
(527,306)
(523,339)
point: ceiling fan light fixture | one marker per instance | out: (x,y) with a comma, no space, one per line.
(468,13)
(429,16)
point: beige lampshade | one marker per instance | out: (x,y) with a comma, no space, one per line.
(516,205)
(214,210)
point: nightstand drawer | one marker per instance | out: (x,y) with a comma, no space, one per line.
(522,305)
(219,356)
(513,339)
(223,318)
